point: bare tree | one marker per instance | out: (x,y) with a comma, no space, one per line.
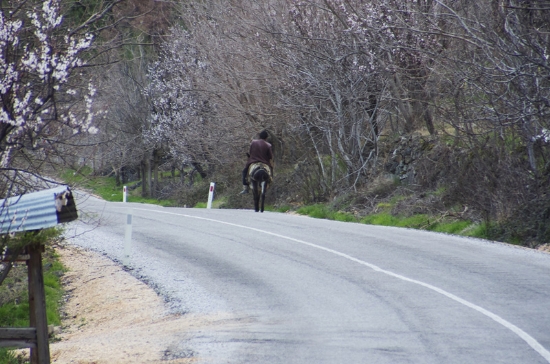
(331,74)
(210,88)
(122,147)
(492,77)
(129,45)
(181,121)
(332,90)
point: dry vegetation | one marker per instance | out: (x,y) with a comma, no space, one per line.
(449,98)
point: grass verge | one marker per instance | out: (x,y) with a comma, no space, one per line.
(14,299)
(321,211)
(441,224)
(106,187)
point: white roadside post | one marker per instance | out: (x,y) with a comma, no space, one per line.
(127,232)
(210,195)
(128,239)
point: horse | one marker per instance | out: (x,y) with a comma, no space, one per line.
(260,178)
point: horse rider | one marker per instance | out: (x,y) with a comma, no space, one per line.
(260,151)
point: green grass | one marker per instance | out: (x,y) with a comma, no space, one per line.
(216,203)
(419,221)
(321,211)
(454,227)
(318,211)
(283,209)
(343,216)
(476,230)
(384,206)
(8,357)
(106,187)
(153,201)
(384,219)
(103,186)
(15,312)
(54,290)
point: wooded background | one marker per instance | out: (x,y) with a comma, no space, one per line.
(446,101)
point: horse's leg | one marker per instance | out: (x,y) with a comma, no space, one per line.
(256,195)
(264,185)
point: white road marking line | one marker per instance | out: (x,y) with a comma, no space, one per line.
(516,330)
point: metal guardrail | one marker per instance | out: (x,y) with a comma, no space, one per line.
(37,210)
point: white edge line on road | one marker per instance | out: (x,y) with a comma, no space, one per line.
(516,330)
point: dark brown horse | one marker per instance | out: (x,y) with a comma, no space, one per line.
(260,180)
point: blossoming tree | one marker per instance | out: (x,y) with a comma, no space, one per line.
(45,97)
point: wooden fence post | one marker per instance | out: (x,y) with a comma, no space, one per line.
(37,305)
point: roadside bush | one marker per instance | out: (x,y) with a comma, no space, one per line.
(529,225)
(189,196)
(493,180)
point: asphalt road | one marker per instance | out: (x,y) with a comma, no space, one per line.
(293,289)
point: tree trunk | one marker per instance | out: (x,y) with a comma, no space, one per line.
(117,177)
(149,176)
(155,171)
(146,177)
(372,112)
(199,169)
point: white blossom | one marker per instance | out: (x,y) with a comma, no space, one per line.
(544,136)
(41,67)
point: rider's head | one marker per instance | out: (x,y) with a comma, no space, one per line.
(264,134)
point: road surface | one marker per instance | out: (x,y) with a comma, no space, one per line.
(293,289)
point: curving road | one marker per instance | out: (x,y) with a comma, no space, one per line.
(292,289)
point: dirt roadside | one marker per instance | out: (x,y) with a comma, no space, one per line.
(112,317)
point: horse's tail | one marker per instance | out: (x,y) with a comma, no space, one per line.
(254,170)
(260,175)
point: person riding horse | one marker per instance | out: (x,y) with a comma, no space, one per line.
(260,152)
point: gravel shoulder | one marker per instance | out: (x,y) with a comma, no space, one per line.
(112,317)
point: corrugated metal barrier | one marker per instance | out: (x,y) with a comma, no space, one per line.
(37,210)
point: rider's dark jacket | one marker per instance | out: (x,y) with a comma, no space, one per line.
(260,151)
